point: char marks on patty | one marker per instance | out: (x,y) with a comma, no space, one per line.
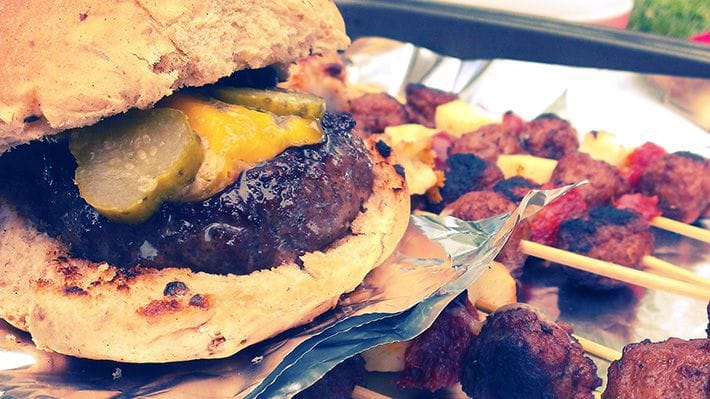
(300,201)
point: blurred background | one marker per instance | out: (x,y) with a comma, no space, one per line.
(676,18)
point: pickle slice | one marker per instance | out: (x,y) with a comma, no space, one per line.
(277,101)
(129,164)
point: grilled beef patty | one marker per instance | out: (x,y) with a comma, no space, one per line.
(301,200)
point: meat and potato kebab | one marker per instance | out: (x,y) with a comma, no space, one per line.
(607,233)
(469,163)
(680,180)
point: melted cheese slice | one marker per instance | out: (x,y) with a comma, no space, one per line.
(235,138)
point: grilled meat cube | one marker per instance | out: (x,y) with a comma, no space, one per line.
(520,355)
(605,181)
(672,369)
(549,136)
(682,183)
(609,234)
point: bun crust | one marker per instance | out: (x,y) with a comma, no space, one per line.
(91,310)
(83,60)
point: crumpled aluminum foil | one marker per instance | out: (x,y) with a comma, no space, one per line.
(626,104)
(437,259)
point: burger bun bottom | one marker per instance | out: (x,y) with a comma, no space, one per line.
(92,310)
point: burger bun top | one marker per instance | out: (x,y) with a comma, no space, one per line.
(69,63)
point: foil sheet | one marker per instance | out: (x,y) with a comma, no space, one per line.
(436,260)
(626,104)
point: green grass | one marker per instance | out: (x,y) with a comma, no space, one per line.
(679,18)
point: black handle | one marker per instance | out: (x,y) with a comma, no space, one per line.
(472,33)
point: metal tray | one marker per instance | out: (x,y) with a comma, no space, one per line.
(474,33)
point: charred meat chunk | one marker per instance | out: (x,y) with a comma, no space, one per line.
(467,172)
(422,102)
(433,360)
(605,181)
(609,234)
(301,200)
(681,181)
(488,142)
(375,111)
(672,369)
(478,205)
(519,355)
(515,188)
(339,382)
(549,136)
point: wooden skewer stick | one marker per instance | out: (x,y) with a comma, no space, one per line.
(611,270)
(598,350)
(364,393)
(681,228)
(667,269)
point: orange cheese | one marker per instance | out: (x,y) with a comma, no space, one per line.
(235,138)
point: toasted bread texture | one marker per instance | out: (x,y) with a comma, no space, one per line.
(69,63)
(96,311)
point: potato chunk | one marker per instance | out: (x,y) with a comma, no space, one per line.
(530,167)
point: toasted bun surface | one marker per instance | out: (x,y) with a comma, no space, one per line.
(91,310)
(69,63)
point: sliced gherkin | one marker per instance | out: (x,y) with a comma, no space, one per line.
(277,101)
(129,164)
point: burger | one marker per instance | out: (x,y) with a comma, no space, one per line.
(159,200)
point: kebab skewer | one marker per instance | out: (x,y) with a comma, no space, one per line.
(546,224)
(516,353)
(615,236)
(554,137)
(541,171)
(680,180)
